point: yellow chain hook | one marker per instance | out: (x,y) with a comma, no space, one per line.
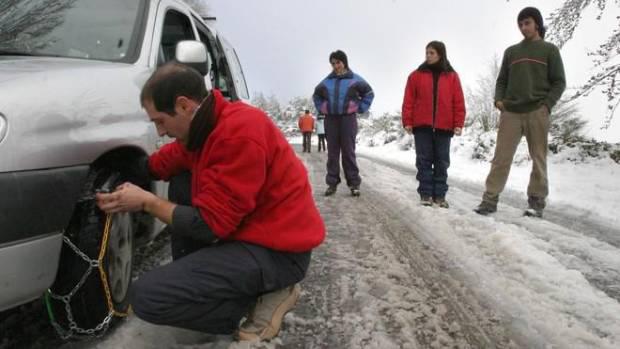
(102,273)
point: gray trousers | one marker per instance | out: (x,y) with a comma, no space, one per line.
(512,127)
(210,288)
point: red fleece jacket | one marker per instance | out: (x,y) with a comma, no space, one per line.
(418,101)
(247,182)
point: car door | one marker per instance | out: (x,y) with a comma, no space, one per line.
(234,66)
(172,24)
(219,71)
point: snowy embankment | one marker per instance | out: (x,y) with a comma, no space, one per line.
(592,186)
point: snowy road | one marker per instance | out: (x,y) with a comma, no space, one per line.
(393,274)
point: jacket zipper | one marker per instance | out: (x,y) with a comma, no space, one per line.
(336,95)
(435,100)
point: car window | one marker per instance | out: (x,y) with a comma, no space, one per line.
(177,27)
(220,74)
(239,77)
(235,69)
(88,29)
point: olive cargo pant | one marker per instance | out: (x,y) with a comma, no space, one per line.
(534,126)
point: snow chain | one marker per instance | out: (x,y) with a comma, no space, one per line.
(74,330)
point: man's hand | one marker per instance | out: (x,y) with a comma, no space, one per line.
(409,129)
(500,105)
(131,198)
(458,131)
(126,198)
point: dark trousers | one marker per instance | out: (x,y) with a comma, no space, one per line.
(432,149)
(321,141)
(210,288)
(341,131)
(307,141)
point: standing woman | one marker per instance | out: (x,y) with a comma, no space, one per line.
(340,97)
(434,110)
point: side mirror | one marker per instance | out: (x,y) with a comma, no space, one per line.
(194,54)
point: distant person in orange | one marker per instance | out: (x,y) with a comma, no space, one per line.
(306,125)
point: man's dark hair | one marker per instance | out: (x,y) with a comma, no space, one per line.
(440,47)
(171,81)
(340,56)
(533,13)
(307,111)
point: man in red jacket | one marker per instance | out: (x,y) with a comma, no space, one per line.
(242,231)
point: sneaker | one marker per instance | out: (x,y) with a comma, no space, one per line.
(265,320)
(441,202)
(426,201)
(485,208)
(331,190)
(355,191)
(532,212)
(536,205)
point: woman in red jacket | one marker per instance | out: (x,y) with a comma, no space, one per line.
(434,110)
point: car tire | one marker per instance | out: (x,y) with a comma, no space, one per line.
(89,303)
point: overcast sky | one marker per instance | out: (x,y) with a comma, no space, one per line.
(284,45)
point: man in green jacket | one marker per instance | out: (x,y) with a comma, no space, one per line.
(530,82)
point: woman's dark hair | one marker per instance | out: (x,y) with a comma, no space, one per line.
(340,56)
(533,13)
(440,47)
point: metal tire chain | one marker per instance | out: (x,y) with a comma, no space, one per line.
(74,330)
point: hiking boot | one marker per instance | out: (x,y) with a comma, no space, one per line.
(355,191)
(536,207)
(265,320)
(426,201)
(531,212)
(331,190)
(485,208)
(441,202)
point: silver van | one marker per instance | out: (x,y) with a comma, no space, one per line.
(71,123)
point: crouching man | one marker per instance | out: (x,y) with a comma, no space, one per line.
(241,212)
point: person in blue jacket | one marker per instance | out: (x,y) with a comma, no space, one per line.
(340,97)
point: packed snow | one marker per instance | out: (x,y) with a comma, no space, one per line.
(550,285)
(394,274)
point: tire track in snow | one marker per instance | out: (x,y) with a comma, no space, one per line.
(592,247)
(367,289)
(557,302)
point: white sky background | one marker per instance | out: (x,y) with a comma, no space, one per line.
(284,45)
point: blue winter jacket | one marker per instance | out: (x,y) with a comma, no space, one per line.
(342,95)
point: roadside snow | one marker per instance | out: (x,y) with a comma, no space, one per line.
(593,186)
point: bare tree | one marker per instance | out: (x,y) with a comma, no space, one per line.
(24,22)
(259,100)
(300,104)
(567,125)
(562,25)
(480,109)
(269,104)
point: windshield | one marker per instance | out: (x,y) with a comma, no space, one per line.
(88,29)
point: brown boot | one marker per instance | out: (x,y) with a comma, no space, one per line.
(265,320)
